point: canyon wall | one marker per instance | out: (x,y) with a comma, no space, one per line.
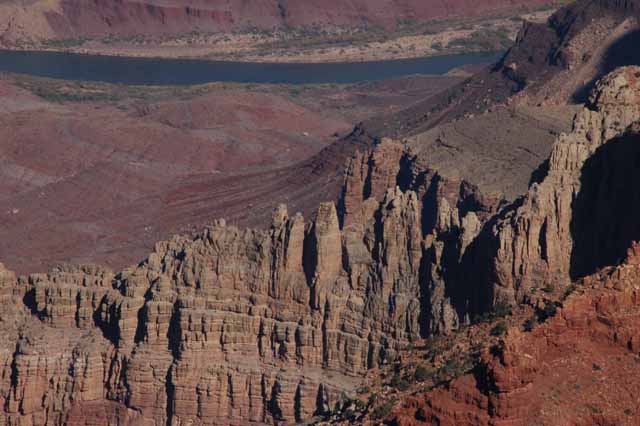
(570,244)
(232,326)
(227,327)
(66,19)
(541,240)
(578,368)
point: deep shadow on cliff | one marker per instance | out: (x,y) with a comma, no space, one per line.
(605,211)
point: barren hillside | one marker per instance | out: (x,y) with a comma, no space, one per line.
(467,257)
(50,19)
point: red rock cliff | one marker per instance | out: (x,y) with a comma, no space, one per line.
(80,18)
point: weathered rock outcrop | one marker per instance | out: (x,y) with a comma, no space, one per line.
(227,327)
(478,250)
(448,214)
(233,326)
(577,225)
(555,63)
(540,239)
(259,326)
(579,368)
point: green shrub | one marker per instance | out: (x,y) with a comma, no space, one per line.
(549,288)
(372,399)
(422,373)
(363,389)
(383,410)
(595,409)
(451,369)
(530,323)
(349,414)
(360,404)
(502,309)
(485,39)
(569,291)
(550,309)
(400,383)
(499,329)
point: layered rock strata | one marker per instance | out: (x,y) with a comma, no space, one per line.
(71,19)
(540,241)
(579,368)
(270,327)
(228,327)
(576,226)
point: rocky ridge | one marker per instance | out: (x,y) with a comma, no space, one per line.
(245,323)
(77,19)
(538,240)
(565,255)
(273,326)
(231,325)
(555,63)
(578,368)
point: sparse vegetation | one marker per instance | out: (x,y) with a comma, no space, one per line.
(530,323)
(570,290)
(502,309)
(363,390)
(372,399)
(484,40)
(452,369)
(399,382)
(64,43)
(383,410)
(594,409)
(422,373)
(549,288)
(410,38)
(550,309)
(499,329)
(61,91)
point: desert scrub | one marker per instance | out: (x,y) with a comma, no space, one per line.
(499,329)
(383,410)
(530,323)
(502,309)
(452,369)
(422,373)
(64,43)
(549,288)
(399,382)
(363,390)
(484,40)
(549,310)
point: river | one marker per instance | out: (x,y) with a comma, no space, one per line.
(145,71)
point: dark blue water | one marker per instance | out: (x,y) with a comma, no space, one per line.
(141,71)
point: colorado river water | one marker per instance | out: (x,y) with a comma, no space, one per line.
(142,71)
